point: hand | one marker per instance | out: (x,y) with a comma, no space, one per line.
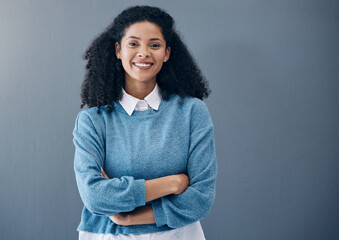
(139,216)
(120,219)
(182,183)
(103,173)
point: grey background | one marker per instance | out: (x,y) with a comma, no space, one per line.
(273,68)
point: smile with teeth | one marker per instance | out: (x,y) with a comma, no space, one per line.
(144,66)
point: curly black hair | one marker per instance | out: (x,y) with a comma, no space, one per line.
(105,76)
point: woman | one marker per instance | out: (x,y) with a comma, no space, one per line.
(145,160)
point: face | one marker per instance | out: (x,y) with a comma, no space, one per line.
(142,51)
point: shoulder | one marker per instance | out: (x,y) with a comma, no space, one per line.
(198,104)
(200,117)
(189,102)
(89,117)
(195,111)
(195,106)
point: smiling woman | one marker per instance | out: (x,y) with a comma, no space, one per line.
(142,52)
(145,161)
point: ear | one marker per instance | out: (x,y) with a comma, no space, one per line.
(117,49)
(167,54)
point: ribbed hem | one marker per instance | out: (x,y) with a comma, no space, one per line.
(159,213)
(140,192)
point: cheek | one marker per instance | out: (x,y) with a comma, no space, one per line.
(162,55)
(160,59)
(127,54)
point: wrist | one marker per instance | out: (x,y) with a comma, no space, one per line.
(121,219)
(142,215)
(128,219)
(160,187)
(173,184)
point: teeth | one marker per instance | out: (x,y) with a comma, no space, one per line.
(142,64)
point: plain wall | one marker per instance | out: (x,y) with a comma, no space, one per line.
(273,69)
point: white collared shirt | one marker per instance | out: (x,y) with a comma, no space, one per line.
(189,232)
(130,103)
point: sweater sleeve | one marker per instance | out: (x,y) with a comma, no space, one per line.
(100,195)
(194,204)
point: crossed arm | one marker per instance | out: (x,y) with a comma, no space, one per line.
(155,188)
(123,198)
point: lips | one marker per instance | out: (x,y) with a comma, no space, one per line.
(143,65)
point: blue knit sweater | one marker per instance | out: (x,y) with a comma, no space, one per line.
(146,145)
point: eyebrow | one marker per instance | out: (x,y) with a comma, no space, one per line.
(151,39)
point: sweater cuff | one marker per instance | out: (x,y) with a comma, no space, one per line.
(159,213)
(140,192)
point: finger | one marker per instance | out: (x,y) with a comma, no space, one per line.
(112,219)
(103,173)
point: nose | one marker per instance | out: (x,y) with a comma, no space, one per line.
(143,52)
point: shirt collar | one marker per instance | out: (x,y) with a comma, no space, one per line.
(153,99)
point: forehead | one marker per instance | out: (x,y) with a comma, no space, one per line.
(143,30)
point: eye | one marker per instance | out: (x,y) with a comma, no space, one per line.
(132,44)
(155,45)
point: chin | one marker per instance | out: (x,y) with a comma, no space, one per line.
(144,79)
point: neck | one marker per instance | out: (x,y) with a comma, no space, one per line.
(139,89)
